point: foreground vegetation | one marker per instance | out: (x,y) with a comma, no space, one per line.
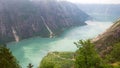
(85,57)
(114,57)
(58,60)
(7,60)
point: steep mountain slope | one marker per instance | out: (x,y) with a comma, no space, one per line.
(104,42)
(21,19)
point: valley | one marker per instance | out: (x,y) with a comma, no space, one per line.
(37,33)
(34,54)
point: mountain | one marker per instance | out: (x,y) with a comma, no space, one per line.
(111,9)
(21,19)
(105,42)
(102,12)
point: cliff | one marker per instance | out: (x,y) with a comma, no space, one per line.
(20,19)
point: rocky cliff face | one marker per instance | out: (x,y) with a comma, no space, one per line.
(104,42)
(21,19)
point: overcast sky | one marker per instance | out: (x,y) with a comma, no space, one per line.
(96,1)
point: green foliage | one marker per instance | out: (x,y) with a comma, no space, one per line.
(116,52)
(116,65)
(6,59)
(114,55)
(87,57)
(58,60)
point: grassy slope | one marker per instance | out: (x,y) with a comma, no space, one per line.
(58,60)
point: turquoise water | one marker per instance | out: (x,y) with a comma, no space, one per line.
(34,49)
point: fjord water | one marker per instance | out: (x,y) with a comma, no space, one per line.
(34,49)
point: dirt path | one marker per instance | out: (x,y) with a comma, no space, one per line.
(61,57)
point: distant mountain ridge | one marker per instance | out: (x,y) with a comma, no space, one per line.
(104,12)
(20,19)
(101,8)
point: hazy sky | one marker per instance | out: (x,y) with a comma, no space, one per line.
(96,1)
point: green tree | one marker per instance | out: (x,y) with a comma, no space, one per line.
(115,54)
(86,56)
(7,60)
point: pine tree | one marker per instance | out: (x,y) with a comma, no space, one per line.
(86,55)
(30,65)
(7,60)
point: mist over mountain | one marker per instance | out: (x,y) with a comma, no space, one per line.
(20,19)
(110,11)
